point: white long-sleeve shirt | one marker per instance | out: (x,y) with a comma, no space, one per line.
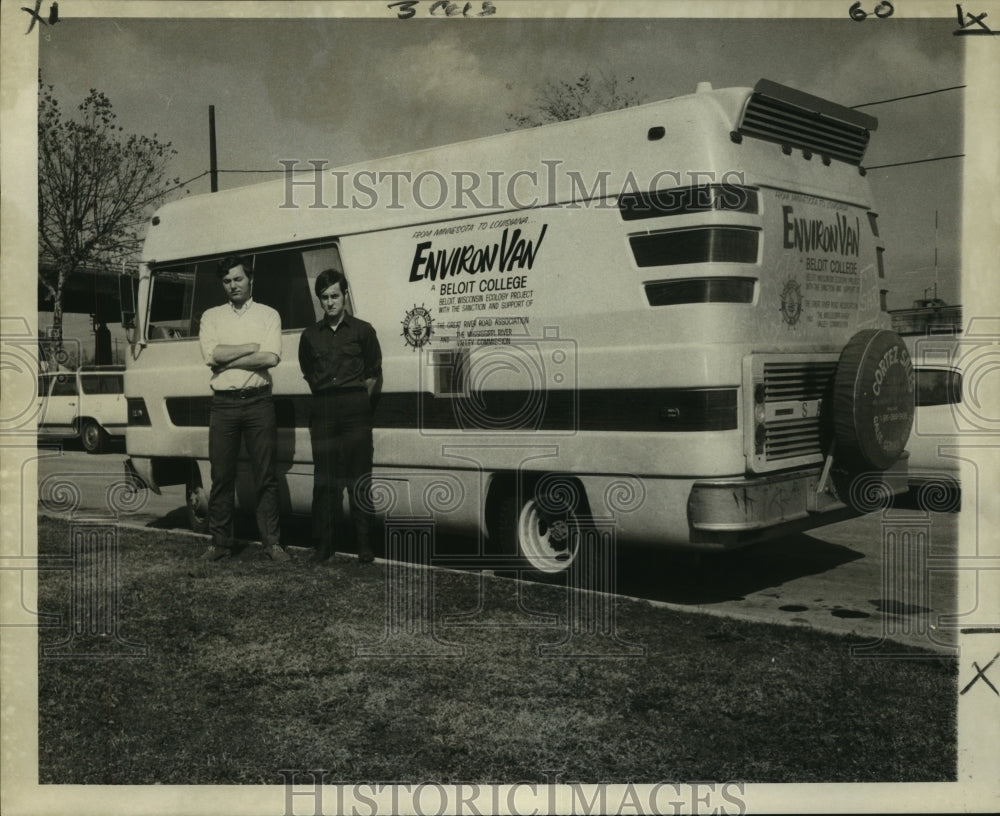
(225,325)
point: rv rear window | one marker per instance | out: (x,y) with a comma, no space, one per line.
(700,290)
(686,200)
(700,245)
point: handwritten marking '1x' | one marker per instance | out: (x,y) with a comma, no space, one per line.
(967,27)
(981,675)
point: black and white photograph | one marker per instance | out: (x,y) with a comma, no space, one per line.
(502,406)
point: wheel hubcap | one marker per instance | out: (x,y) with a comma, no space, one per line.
(548,544)
(198,503)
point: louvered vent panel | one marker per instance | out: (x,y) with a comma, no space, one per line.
(796,381)
(794,436)
(788,117)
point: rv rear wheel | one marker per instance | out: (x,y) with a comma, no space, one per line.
(543,526)
(547,541)
(197,502)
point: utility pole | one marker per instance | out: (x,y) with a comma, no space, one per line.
(935,253)
(213,164)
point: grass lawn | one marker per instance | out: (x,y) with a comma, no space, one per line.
(248,667)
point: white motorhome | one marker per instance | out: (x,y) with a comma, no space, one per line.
(671,317)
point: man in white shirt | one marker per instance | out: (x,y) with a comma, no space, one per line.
(241,341)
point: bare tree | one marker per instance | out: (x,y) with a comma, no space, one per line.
(561,100)
(95,187)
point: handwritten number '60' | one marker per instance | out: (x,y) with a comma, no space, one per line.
(882,10)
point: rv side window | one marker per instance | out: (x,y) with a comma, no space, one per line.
(687,200)
(318,260)
(696,245)
(282,279)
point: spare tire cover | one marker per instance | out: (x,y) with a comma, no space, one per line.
(873,399)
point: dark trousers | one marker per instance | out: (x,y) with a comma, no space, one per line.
(252,421)
(340,429)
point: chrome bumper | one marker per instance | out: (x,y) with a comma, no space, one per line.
(745,505)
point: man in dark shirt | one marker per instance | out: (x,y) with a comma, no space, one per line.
(341,360)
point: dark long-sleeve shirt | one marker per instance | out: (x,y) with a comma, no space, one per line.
(339,359)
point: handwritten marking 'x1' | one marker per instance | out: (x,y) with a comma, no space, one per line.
(981,675)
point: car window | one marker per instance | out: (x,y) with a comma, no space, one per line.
(938,386)
(102,383)
(65,385)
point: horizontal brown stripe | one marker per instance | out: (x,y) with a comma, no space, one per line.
(626,409)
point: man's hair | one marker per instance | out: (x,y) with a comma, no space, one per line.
(328,278)
(229,262)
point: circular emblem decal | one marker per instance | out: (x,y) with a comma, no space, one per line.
(418,325)
(791,302)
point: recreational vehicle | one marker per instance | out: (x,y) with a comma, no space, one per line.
(669,320)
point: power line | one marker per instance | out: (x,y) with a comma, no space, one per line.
(259,171)
(908,96)
(171,189)
(193,178)
(912,96)
(915,161)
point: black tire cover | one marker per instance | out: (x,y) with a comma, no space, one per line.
(873,399)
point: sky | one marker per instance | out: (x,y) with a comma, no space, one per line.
(347,90)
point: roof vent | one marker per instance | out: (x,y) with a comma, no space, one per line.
(791,118)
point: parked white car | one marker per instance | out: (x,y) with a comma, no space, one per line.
(934,474)
(88,404)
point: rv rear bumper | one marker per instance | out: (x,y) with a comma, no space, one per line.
(733,512)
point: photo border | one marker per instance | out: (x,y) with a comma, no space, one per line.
(977,787)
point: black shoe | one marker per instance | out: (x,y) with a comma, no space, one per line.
(214,553)
(276,553)
(321,554)
(366,557)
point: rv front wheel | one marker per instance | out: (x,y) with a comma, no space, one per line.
(197,502)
